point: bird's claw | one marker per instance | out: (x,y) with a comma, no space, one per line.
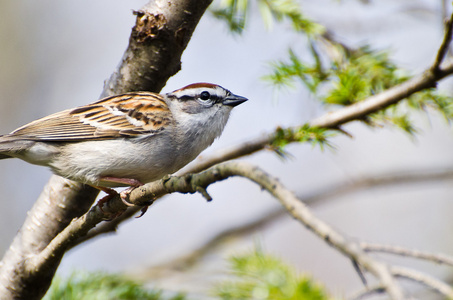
(124,195)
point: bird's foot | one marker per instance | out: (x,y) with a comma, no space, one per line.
(124,195)
(110,194)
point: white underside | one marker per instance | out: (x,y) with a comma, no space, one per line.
(145,159)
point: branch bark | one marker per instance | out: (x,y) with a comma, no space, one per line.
(437,258)
(334,119)
(192,183)
(424,279)
(427,79)
(189,260)
(300,212)
(19,279)
(160,35)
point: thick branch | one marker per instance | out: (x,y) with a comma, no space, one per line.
(41,225)
(162,31)
(107,227)
(160,35)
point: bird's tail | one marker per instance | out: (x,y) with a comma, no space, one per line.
(2,155)
(8,146)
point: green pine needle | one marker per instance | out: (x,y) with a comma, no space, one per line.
(262,276)
(234,13)
(284,74)
(353,76)
(315,136)
(361,74)
(281,10)
(101,286)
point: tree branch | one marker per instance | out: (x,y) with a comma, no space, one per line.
(443,49)
(106,227)
(425,280)
(17,280)
(367,292)
(191,183)
(162,31)
(418,277)
(160,35)
(190,259)
(356,111)
(401,251)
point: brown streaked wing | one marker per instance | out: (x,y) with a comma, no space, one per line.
(126,115)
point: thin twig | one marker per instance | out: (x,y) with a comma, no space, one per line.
(418,277)
(190,259)
(436,258)
(368,292)
(335,119)
(443,49)
(425,280)
(301,212)
(329,192)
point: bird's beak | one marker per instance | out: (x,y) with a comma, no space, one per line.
(233,100)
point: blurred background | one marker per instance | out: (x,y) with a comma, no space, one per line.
(56,55)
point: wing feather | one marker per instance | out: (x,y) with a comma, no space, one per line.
(128,115)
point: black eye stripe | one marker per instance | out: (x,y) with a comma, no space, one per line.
(204,95)
(185,98)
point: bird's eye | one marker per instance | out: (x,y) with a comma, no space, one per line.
(205,95)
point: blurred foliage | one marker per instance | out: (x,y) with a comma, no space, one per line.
(101,286)
(257,275)
(281,10)
(234,13)
(315,136)
(432,98)
(284,74)
(334,73)
(360,74)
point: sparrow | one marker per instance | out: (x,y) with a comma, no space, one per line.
(125,140)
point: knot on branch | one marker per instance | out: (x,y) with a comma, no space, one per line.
(204,193)
(196,184)
(147,26)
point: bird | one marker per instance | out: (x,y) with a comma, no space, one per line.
(125,140)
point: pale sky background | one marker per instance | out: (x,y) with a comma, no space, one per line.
(56,55)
